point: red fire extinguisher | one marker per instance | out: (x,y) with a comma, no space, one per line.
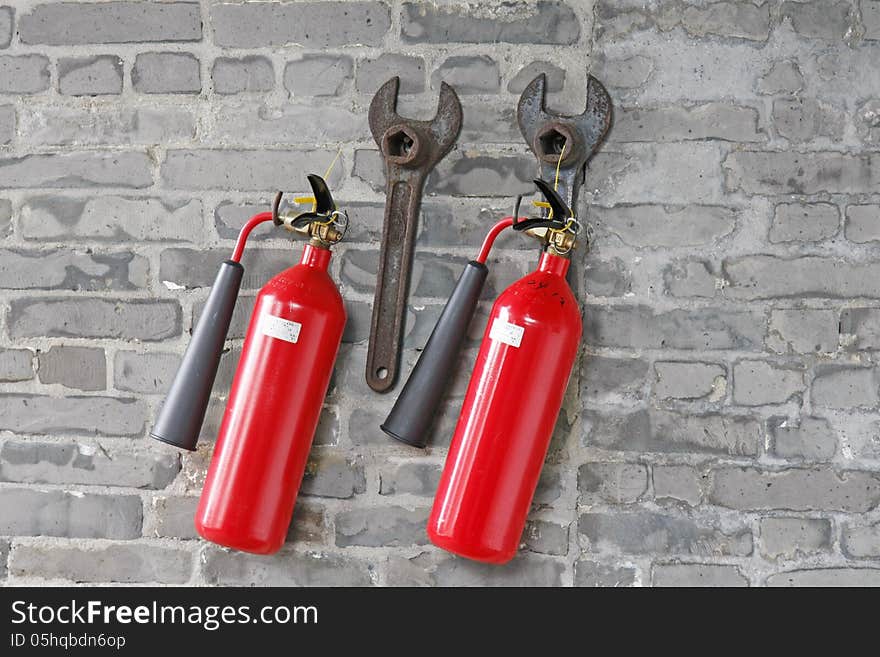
(514,396)
(279,387)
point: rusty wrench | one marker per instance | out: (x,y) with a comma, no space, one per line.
(411,149)
(548,133)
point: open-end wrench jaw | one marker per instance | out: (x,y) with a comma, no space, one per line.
(410,142)
(574,138)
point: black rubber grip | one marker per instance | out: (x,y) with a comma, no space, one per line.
(180,419)
(413,412)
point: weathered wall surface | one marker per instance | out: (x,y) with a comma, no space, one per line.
(721,425)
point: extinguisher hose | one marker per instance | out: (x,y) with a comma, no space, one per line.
(490,238)
(252,223)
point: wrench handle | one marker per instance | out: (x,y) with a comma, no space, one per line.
(392,282)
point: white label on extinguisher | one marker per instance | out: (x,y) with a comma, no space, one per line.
(278,327)
(503,331)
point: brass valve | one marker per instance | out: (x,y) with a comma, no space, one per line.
(315,217)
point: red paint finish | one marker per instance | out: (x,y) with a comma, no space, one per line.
(507,419)
(273,410)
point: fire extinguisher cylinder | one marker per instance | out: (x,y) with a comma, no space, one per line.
(413,413)
(180,420)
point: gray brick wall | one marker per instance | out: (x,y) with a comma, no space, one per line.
(722,425)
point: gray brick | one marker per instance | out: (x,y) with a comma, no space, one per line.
(791,538)
(871,19)
(803,331)
(678,483)
(689,380)
(71,270)
(662,431)
(5,217)
(733,19)
(166,73)
(132,563)
(6,18)
(290,124)
(804,119)
(89,317)
(639,327)
(646,532)
(832,577)
(287,568)
(697,575)
(691,278)
(391,526)
(804,222)
(198,267)
(30,512)
(373,73)
(106,125)
(801,489)
(783,76)
(555,77)
(309,523)
(83,463)
(233,75)
(319,75)
(7,128)
(412,478)
(445,570)
(549,487)
(863,223)
(73,366)
(860,327)
(862,542)
(867,120)
(171,516)
(72,23)
(147,373)
(475,174)
(811,438)
(545,537)
(105,416)
(111,218)
(788,172)
(16,365)
(617,483)
(666,226)
(624,72)
(90,76)
(24,74)
(769,277)
(609,379)
(820,19)
(607,278)
(468,74)
(310,24)
(838,386)
(678,123)
(243,170)
(333,475)
(756,383)
(91,169)
(546,21)
(590,573)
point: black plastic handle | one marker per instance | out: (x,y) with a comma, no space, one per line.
(413,412)
(180,420)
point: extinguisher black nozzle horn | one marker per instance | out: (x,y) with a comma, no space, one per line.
(180,419)
(413,413)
